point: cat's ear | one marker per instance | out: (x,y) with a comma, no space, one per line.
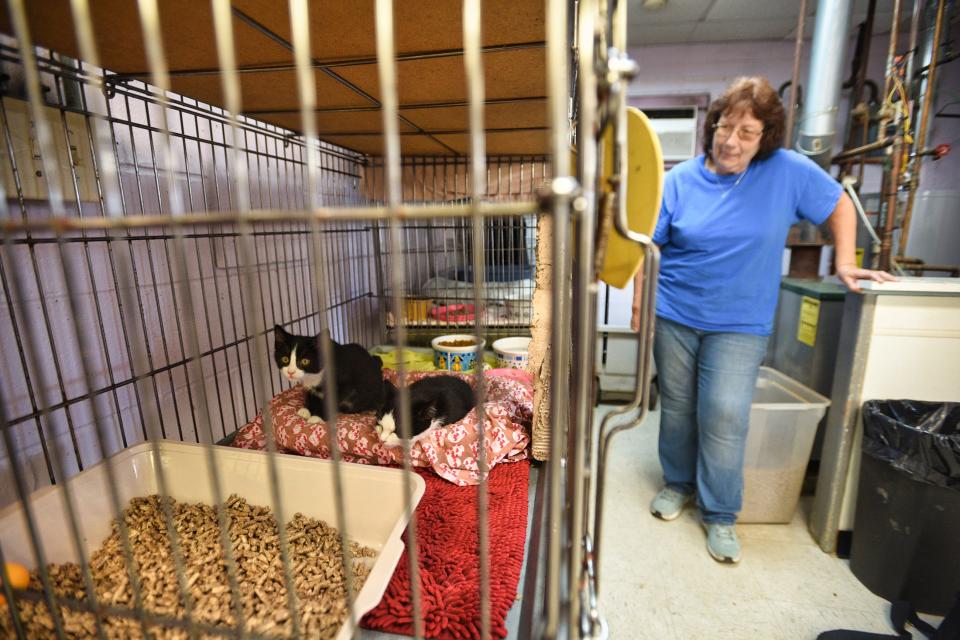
(323,334)
(279,334)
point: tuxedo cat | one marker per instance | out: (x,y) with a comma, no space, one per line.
(434,402)
(359,377)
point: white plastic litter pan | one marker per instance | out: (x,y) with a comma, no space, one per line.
(373,499)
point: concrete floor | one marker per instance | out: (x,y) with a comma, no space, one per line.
(659,582)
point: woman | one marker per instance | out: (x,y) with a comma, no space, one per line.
(723,223)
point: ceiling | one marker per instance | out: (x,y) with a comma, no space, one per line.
(432,84)
(693,21)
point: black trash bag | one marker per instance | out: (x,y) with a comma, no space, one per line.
(920,439)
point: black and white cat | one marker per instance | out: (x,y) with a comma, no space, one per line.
(434,401)
(359,377)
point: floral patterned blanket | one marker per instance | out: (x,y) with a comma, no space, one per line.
(451,450)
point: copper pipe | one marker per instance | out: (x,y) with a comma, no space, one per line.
(882,143)
(890,70)
(797,48)
(952,269)
(845,163)
(861,79)
(864,139)
(891,184)
(921,138)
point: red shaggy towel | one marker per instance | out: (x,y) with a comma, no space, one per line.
(447,526)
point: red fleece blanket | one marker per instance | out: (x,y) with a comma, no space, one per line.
(447,525)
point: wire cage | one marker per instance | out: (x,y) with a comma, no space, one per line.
(151,240)
(274,165)
(438,276)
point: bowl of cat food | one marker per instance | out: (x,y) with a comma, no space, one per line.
(512,353)
(456,352)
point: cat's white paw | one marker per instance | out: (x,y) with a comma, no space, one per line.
(436,422)
(391,440)
(386,426)
(303,413)
(313,419)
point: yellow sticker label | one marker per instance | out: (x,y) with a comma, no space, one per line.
(859,258)
(809,317)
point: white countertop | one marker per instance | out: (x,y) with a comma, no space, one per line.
(939,286)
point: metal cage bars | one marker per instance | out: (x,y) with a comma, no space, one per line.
(438,265)
(306,216)
(115,219)
(211,240)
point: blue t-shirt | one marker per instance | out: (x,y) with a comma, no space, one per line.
(722,240)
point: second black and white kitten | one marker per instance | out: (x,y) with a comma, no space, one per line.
(359,376)
(434,401)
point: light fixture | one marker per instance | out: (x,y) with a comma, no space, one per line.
(653,5)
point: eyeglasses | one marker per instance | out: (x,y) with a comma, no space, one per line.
(746,134)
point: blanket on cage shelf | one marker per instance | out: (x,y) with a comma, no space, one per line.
(449,559)
(451,451)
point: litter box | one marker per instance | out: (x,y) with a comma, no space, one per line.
(373,499)
(512,352)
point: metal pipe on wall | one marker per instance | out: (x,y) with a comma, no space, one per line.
(795,77)
(891,173)
(889,192)
(927,89)
(818,119)
(859,110)
(890,70)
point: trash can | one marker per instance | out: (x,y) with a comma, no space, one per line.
(907,520)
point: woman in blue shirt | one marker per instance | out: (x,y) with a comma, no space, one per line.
(723,224)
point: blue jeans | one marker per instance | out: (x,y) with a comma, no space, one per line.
(707,380)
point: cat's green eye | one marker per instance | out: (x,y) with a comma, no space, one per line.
(304,362)
(285,360)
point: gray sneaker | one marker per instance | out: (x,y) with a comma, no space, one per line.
(722,542)
(669,503)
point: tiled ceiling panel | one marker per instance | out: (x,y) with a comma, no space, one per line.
(692,21)
(431,73)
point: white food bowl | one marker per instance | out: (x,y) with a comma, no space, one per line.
(373,499)
(512,353)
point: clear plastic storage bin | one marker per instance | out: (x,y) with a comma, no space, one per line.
(783,424)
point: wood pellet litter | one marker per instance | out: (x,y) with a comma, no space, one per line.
(315,560)
(770,495)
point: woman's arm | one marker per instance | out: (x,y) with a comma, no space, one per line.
(843,226)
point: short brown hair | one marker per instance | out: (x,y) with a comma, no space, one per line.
(756,94)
